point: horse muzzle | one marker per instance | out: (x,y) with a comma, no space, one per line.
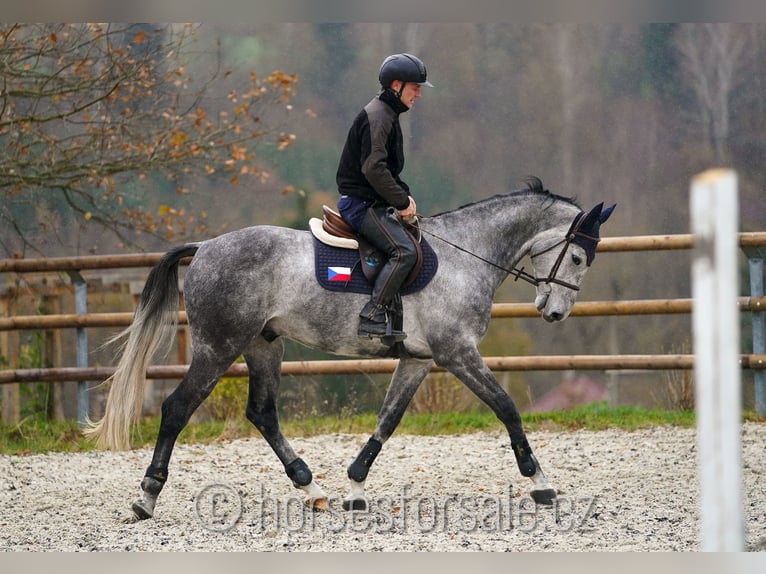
(554,317)
(549,311)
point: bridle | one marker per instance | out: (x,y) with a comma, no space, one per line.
(570,237)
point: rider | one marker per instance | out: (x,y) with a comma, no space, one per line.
(374,200)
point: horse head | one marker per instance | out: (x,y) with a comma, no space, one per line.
(560,264)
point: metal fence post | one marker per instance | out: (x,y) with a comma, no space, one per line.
(755,264)
(81,308)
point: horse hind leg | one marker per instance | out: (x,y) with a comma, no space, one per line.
(264,363)
(177,409)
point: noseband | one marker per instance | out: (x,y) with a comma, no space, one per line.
(573,233)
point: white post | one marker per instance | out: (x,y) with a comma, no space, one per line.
(717,376)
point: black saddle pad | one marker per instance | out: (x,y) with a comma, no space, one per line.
(339,269)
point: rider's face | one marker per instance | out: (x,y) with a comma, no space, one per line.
(410,93)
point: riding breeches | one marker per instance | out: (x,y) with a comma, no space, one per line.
(382,228)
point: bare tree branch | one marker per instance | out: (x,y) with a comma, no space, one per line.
(88,111)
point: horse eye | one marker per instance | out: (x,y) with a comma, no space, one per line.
(576,259)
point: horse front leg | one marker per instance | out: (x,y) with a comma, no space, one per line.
(405,381)
(470,368)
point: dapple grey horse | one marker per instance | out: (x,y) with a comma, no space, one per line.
(248,290)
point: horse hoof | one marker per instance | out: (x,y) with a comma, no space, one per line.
(317,503)
(545,496)
(355,504)
(142,509)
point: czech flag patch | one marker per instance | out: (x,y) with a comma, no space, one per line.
(339,274)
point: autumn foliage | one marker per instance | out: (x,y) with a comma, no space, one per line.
(92,114)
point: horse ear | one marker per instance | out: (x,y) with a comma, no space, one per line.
(592,217)
(605,213)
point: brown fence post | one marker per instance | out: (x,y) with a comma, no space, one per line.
(11,412)
(53,355)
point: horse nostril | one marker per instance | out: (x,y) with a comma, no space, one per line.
(556,316)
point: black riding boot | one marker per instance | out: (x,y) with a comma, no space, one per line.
(382,228)
(375,321)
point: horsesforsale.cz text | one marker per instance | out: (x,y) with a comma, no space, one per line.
(221,507)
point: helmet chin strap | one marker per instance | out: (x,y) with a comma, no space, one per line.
(401,89)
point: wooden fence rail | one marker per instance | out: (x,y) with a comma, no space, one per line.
(505,310)
(499,310)
(380,366)
(89,262)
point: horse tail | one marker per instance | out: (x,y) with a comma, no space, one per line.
(150,332)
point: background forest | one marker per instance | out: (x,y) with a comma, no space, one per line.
(623,113)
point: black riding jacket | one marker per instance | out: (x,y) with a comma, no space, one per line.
(373,155)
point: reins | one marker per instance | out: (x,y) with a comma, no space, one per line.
(574,231)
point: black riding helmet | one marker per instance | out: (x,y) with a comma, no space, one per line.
(404,67)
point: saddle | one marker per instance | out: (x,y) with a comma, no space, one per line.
(335,231)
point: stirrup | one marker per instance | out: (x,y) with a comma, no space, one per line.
(393,338)
(388,336)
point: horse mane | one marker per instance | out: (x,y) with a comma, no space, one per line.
(534,187)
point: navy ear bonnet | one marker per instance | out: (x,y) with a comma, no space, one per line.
(585,228)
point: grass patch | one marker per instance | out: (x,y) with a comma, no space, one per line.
(34,435)
(598,416)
